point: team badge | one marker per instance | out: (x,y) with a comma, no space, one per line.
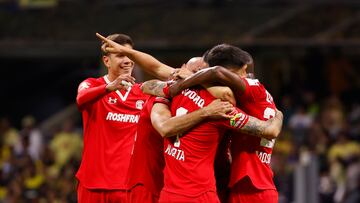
(139,104)
(83,85)
(237,120)
(112,101)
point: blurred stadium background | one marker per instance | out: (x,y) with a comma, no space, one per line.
(307,53)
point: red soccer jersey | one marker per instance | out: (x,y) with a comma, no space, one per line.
(189,168)
(109,120)
(147,162)
(251,155)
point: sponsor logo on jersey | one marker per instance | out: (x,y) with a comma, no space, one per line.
(139,104)
(194,97)
(237,121)
(264,157)
(178,154)
(112,100)
(126,118)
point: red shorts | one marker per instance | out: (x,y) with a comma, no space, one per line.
(139,194)
(208,197)
(86,195)
(248,193)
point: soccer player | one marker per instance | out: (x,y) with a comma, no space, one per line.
(147,163)
(189,168)
(110,107)
(251,175)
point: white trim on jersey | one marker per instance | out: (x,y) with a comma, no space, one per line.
(122,97)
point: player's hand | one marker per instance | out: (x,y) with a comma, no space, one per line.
(121,82)
(110,46)
(182,73)
(218,109)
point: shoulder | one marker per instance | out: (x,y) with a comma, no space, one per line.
(136,90)
(93,81)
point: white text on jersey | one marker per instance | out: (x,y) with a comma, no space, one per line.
(127,118)
(176,153)
(264,157)
(194,97)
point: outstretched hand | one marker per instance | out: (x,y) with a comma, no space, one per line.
(110,46)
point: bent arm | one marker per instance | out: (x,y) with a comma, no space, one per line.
(147,62)
(269,129)
(208,76)
(150,64)
(168,126)
(89,95)
(156,88)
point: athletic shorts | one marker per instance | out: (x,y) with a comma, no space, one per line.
(246,194)
(86,195)
(140,194)
(208,197)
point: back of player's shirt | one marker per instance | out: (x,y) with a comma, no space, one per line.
(109,134)
(147,162)
(189,168)
(251,155)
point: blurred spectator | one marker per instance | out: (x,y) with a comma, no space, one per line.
(66,144)
(9,136)
(33,137)
(299,123)
(332,117)
(340,156)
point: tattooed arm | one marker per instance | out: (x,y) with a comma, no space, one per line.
(269,129)
(154,87)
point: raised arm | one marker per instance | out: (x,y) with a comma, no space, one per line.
(147,62)
(269,129)
(169,126)
(209,76)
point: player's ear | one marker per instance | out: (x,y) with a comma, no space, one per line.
(106,60)
(245,66)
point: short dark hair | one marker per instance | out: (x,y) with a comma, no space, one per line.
(227,55)
(118,38)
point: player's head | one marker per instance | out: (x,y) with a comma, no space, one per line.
(228,56)
(117,63)
(195,64)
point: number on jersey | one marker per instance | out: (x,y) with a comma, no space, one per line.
(179,112)
(268,113)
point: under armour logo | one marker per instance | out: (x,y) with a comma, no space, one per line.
(112,101)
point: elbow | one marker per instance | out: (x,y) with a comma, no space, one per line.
(218,71)
(272,133)
(165,131)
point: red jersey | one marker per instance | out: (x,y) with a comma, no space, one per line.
(251,155)
(109,122)
(147,162)
(189,168)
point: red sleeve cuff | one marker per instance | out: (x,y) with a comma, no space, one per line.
(162,100)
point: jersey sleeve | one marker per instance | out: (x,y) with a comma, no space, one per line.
(89,91)
(162,100)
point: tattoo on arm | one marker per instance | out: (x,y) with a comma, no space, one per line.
(154,87)
(254,127)
(261,128)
